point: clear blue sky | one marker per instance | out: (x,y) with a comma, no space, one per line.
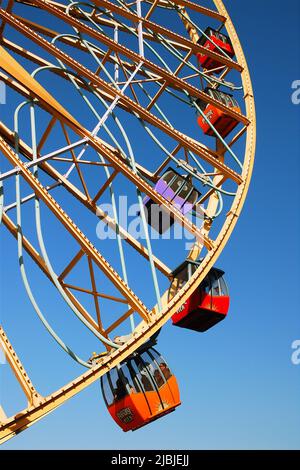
(238,385)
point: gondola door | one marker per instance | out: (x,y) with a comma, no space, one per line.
(125,398)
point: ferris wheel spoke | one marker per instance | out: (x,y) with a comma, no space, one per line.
(151,9)
(199,8)
(33,397)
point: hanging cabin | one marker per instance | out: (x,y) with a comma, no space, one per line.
(209,303)
(223,123)
(178,190)
(140,390)
(216,39)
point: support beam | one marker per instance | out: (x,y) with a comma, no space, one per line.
(33,397)
(3,416)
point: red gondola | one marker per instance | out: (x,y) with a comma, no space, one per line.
(140,390)
(215,39)
(223,123)
(209,303)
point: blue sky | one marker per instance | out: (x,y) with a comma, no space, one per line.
(238,385)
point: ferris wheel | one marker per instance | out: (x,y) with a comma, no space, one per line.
(117,107)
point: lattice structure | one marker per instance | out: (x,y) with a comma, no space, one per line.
(103,97)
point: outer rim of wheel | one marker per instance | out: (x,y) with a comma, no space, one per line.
(144,331)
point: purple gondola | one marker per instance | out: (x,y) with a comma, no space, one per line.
(176,189)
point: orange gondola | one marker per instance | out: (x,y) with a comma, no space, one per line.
(140,390)
(221,120)
(209,303)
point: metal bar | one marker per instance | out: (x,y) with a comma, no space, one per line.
(3,416)
(119,321)
(81,162)
(237,136)
(164,163)
(33,397)
(46,157)
(8,8)
(116,39)
(126,76)
(98,294)
(76,163)
(140,27)
(46,134)
(94,292)
(105,186)
(217,184)
(103,61)
(71,265)
(152,8)
(200,9)
(29,197)
(157,95)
